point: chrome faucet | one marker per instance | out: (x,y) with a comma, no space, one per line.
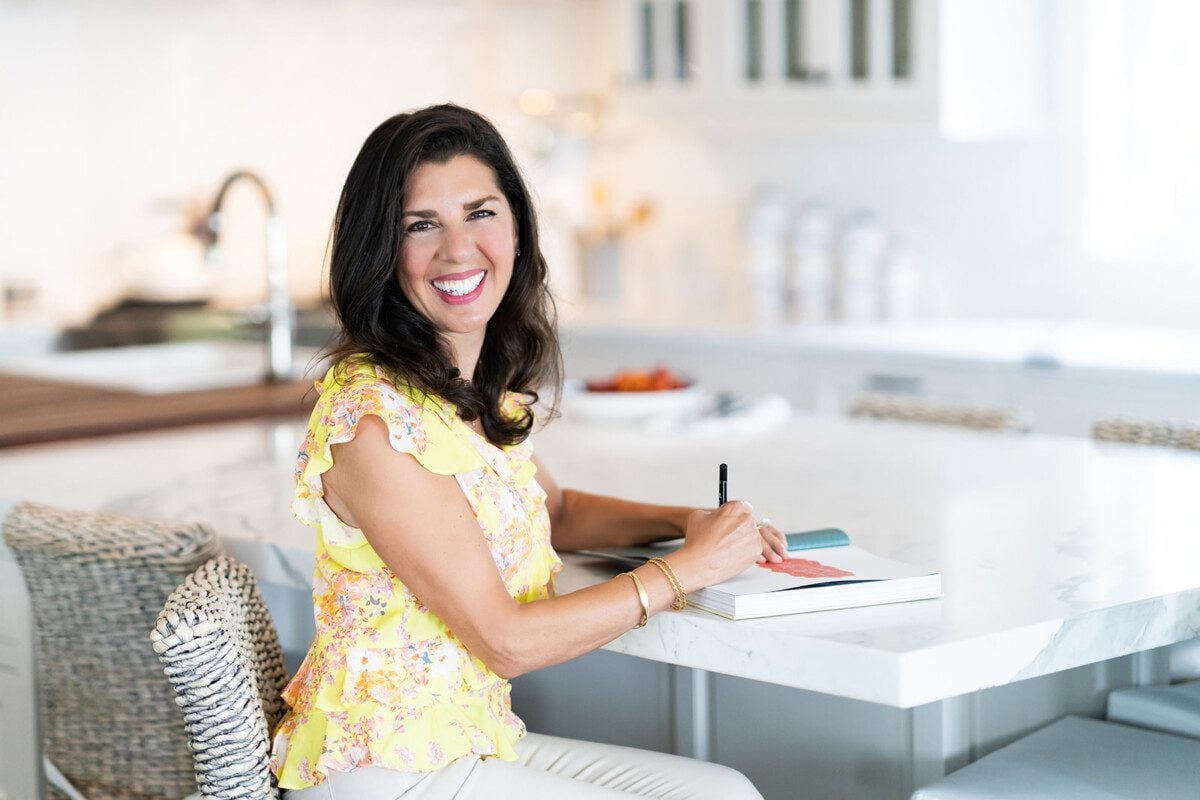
(280,313)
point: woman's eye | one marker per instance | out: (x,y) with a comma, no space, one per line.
(482,213)
(420,226)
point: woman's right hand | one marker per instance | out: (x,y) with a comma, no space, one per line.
(717,545)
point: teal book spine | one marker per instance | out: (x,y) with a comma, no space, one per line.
(811,540)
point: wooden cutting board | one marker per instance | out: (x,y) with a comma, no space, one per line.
(34,410)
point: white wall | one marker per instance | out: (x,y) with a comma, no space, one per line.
(111,110)
(984,219)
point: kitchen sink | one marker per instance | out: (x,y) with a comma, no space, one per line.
(165,368)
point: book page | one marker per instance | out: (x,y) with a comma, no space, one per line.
(817,568)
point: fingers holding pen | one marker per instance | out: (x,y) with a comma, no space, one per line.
(740,510)
(723,541)
(771,544)
(733,518)
(744,529)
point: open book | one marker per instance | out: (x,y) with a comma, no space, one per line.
(823,571)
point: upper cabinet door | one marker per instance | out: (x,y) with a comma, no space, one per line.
(967,69)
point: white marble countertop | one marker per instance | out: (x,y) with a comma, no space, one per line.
(1054,552)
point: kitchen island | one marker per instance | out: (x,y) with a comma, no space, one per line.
(1068,569)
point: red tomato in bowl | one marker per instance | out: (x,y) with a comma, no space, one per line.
(659,379)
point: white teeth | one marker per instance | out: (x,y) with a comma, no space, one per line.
(459,288)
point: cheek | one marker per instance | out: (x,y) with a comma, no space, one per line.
(409,268)
(499,243)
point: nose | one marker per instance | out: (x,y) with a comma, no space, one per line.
(457,245)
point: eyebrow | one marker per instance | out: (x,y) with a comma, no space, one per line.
(471,206)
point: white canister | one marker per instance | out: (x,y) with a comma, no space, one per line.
(766,262)
(811,263)
(899,282)
(860,249)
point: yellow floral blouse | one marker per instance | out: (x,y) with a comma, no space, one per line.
(385,682)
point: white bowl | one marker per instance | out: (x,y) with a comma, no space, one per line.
(580,405)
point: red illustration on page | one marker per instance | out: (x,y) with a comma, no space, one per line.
(806,568)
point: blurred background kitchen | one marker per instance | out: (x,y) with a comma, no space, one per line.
(921,160)
(980,212)
(995,182)
(998,183)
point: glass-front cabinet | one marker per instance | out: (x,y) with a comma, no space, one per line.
(968,69)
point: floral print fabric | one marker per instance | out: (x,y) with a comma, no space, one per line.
(385,682)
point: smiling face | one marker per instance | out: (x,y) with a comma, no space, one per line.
(458,240)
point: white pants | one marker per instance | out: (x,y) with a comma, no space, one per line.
(547,767)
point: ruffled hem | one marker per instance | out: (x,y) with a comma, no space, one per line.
(335,678)
(376,736)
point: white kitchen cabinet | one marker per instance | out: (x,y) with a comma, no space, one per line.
(966,69)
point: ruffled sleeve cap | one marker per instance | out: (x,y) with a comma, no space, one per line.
(349,392)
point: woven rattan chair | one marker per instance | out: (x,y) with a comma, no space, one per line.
(96,582)
(219,649)
(914,409)
(1161,434)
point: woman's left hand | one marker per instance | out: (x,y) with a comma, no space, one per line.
(774,543)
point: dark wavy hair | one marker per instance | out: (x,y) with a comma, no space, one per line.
(520,350)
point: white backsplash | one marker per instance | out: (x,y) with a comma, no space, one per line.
(116,108)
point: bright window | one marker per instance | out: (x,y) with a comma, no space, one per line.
(1141,131)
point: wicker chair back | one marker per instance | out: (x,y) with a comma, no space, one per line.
(95,583)
(220,651)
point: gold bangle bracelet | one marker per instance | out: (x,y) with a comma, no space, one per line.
(643,598)
(680,602)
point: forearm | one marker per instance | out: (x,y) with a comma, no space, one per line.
(519,638)
(585,521)
(548,632)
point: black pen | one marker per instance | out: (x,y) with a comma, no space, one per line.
(722,484)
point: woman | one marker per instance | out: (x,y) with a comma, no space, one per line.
(436,542)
